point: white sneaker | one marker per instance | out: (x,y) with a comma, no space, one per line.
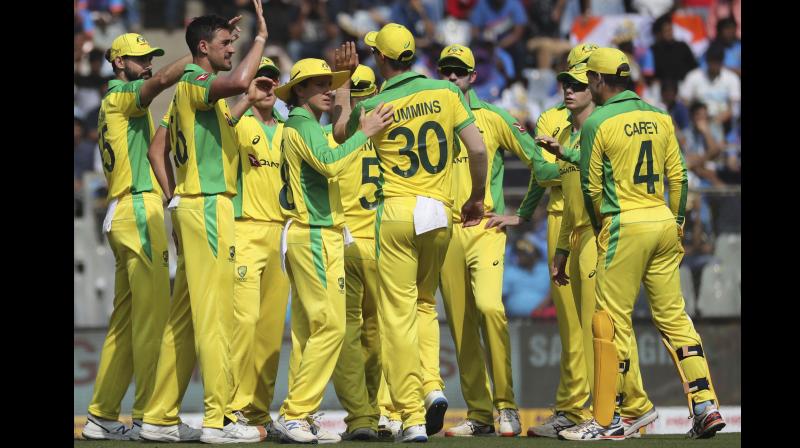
(707,424)
(509,423)
(552,426)
(97,428)
(237,432)
(136,427)
(435,407)
(170,433)
(384,432)
(296,431)
(272,431)
(323,435)
(632,425)
(469,428)
(591,430)
(416,433)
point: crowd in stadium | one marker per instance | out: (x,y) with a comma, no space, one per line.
(519,47)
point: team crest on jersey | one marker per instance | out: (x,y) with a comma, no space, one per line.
(232,253)
(519,127)
(341,283)
(202,77)
(242,270)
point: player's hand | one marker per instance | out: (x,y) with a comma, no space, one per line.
(236,29)
(346,58)
(502,221)
(262,24)
(259,89)
(559,269)
(472,212)
(550,145)
(377,120)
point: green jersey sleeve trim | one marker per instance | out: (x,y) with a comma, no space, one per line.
(587,141)
(531,199)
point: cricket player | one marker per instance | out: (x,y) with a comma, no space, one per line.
(413,223)
(472,273)
(576,237)
(260,288)
(313,239)
(628,150)
(203,140)
(134,226)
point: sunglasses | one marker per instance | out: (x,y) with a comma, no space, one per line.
(460,72)
(574,86)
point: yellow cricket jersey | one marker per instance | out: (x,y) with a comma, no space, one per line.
(360,188)
(309,166)
(501,132)
(202,137)
(259,179)
(125,129)
(575,215)
(416,148)
(550,123)
(628,150)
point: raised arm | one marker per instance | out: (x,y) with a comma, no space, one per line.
(345,58)
(161,80)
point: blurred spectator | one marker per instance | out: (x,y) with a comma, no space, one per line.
(604,7)
(417,17)
(83,155)
(312,29)
(133,18)
(654,8)
(362,16)
(494,69)
(544,19)
(704,142)
(460,9)
(623,39)
(526,284)
(724,8)
(674,105)
(730,171)
(501,22)
(90,88)
(716,86)
(697,240)
(701,8)
(105,20)
(667,57)
(726,38)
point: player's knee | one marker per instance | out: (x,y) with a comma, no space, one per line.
(492,310)
(602,325)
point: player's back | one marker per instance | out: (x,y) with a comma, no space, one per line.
(416,149)
(638,148)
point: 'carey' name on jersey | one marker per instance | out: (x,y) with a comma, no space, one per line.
(417,110)
(641,127)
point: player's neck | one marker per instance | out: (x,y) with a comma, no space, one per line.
(204,63)
(580,116)
(316,113)
(265,115)
(611,93)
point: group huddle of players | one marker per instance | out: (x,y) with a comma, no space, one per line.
(363,220)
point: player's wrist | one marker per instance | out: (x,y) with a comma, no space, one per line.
(261,38)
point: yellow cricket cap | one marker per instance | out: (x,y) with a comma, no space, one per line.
(580,53)
(131,44)
(393,40)
(608,61)
(363,80)
(457,56)
(266,64)
(309,68)
(576,72)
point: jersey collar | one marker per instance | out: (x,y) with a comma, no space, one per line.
(301,112)
(400,79)
(475,103)
(275,114)
(625,95)
(193,68)
(114,83)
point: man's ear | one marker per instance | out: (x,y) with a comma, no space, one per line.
(202,47)
(473,76)
(119,63)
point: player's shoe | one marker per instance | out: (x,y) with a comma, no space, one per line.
(169,433)
(416,433)
(361,434)
(632,425)
(323,435)
(591,430)
(388,429)
(234,432)
(435,407)
(509,423)
(97,428)
(272,431)
(295,431)
(707,424)
(470,428)
(552,426)
(136,428)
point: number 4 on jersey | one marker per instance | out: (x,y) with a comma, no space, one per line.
(646,154)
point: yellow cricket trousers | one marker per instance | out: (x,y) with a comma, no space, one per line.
(408,273)
(644,246)
(358,372)
(141,305)
(260,296)
(201,316)
(385,400)
(314,263)
(582,274)
(472,289)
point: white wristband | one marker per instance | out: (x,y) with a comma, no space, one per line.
(261,39)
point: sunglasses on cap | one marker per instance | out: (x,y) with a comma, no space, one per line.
(459,71)
(574,86)
(269,74)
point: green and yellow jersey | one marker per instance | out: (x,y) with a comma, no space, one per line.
(202,137)
(575,215)
(259,180)
(360,188)
(628,147)
(125,129)
(416,148)
(309,166)
(501,132)
(550,123)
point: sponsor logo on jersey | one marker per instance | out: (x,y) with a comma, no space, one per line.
(256,139)
(256,162)
(519,127)
(591,274)
(202,77)
(558,128)
(496,262)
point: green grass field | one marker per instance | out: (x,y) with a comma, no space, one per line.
(655,441)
